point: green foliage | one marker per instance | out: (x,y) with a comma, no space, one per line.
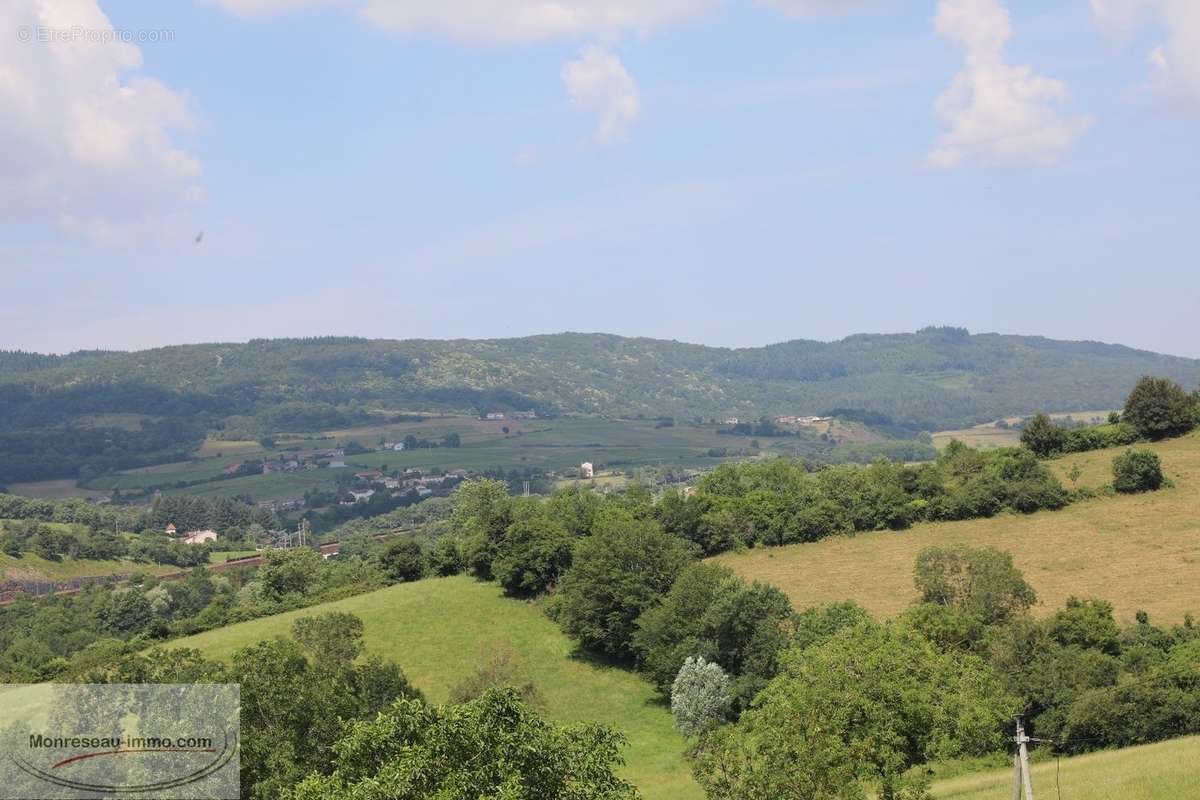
(1043,437)
(286,572)
(1137,471)
(981,582)
(533,555)
(1159,408)
(1087,623)
(260,388)
(711,613)
(621,570)
(403,560)
(864,706)
(494,746)
(780,502)
(483,511)
(445,557)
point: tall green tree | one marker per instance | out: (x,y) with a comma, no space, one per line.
(483,510)
(492,747)
(1159,407)
(620,571)
(863,707)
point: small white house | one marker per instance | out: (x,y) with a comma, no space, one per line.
(199,537)
(586,470)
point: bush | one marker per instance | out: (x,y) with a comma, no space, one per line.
(1159,408)
(981,582)
(699,696)
(446,557)
(1043,437)
(403,560)
(1137,471)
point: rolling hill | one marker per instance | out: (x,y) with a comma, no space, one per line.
(1163,771)
(439,630)
(1141,552)
(934,379)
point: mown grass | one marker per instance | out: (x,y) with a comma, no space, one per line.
(440,630)
(1163,771)
(1139,551)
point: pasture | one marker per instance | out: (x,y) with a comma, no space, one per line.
(1162,771)
(440,630)
(1141,552)
(34,568)
(991,434)
(538,444)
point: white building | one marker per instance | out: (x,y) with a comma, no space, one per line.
(199,537)
(586,470)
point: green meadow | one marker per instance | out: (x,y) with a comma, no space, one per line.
(440,630)
(1163,771)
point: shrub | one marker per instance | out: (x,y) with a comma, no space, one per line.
(446,558)
(981,582)
(1137,471)
(1159,408)
(502,671)
(1043,437)
(403,560)
(699,696)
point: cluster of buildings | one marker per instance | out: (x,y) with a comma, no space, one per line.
(294,461)
(794,420)
(410,480)
(192,537)
(498,415)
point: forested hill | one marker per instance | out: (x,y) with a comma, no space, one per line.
(934,379)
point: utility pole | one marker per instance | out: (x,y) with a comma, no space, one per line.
(1021,777)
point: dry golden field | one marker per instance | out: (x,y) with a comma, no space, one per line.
(1140,552)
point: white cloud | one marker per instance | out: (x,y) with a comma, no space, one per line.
(992,110)
(1176,62)
(85,142)
(598,82)
(500,21)
(815,8)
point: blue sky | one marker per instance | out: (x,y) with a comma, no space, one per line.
(732,173)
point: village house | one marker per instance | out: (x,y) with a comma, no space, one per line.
(199,537)
(170,529)
(232,469)
(524,415)
(494,415)
(586,470)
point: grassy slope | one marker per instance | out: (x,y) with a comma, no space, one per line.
(1164,771)
(32,568)
(439,630)
(1140,552)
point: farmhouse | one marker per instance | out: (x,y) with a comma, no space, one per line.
(494,415)
(199,537)
(170,529)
